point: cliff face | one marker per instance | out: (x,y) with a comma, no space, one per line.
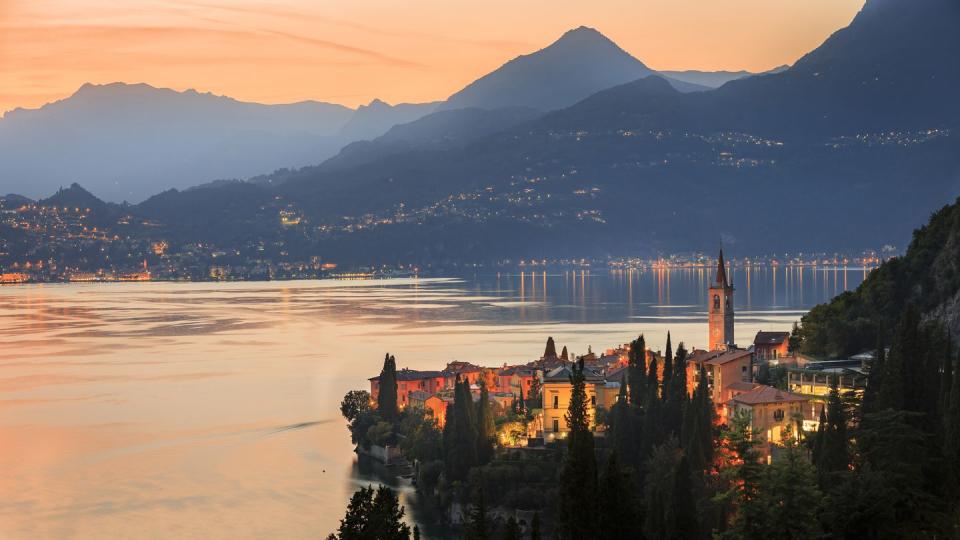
(927,277)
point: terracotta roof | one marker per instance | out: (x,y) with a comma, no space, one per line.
(717,358)
(767,394)
(771,338)
(742,386)
(412,375)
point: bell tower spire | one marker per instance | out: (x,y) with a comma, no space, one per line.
(720,309)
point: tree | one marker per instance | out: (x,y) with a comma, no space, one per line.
(460,433)
(795,341)
(511,530)
(622,429)
(486,430)
(373,515)
(551,349)
(637,371)
(564,355)
(387,396)
(578,477)
(534,399)
(789,496)
(353,523)
(667,362)
(385,521)
(742,475)
(833,453)
(354,403)
(871,393)
(670,511)
(535,527)
(618,518)
(479,526)
(416,532)
(697,429)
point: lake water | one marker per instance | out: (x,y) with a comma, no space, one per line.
(210,410)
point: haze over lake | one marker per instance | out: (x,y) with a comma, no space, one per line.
(210,410)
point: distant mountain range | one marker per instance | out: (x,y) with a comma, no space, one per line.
(716,79)
(129,141)
(850,147)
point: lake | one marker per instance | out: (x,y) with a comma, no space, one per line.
(210,410)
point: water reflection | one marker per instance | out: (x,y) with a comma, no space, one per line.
(211,410)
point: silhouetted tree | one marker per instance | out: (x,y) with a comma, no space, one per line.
(387,396)
(578,477)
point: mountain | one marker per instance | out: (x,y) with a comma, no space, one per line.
(128,141)
(847,149)
(715,79)
(373,120)
(583,61)
(442,130)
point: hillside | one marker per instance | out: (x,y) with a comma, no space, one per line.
(927,277)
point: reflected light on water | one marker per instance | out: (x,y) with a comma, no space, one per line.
(211,410)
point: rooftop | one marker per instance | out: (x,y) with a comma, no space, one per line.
(767,394)
(771,338)
(717,358)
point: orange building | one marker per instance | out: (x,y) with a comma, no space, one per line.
(409,380)
(771,345)
(726,370)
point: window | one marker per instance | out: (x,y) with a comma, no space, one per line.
(556,425)
(716,302)
(593,400)
(556,403)
(778,415)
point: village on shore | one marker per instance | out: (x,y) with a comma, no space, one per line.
(781,391)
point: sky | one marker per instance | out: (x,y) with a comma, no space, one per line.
(352,51)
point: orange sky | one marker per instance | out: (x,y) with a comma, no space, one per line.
(350,51)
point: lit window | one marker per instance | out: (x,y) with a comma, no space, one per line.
(556,425)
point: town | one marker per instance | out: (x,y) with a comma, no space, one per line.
(634,400)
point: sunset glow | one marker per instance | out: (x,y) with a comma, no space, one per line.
(352,52)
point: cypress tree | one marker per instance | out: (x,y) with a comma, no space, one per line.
(686,522)
(834,452)
(387,396)
(535,527)
(637,371)
(871,394)
(416,532)
(670,510)
(486,430)
(564,355)
(578,477)
(668,361)
(618,518)
(460,434)
(479,527)
(550,351)
(653,385)
(817,449)
(622,428)
(512,529)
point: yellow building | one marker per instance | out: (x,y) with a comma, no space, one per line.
(557,391)
(773,413)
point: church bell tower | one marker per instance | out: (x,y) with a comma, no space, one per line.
(720,309)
